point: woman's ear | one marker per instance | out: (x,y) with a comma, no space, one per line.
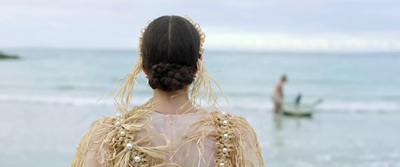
(201,58)
(147,76)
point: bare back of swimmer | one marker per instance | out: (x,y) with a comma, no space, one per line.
(277,97)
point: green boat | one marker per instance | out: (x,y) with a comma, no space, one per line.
(299,110)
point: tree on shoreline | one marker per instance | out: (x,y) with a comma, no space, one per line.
(6,56)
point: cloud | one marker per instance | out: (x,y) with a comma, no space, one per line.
(276,25)
(362,41)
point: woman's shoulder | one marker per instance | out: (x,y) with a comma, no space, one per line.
(111,139)
(234,136)
(225,118)
(226,125)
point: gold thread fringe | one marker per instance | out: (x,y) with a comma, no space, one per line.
(202,89)
(123,95)
(103,144)
(241,143)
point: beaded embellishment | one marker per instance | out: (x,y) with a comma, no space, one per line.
(124,139)
(224,144)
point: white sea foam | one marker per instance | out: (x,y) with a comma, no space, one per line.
(358,106)
(246,104)
(53,100)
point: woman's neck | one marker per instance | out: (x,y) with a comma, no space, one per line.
(175,102)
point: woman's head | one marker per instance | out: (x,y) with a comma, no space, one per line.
(170,50)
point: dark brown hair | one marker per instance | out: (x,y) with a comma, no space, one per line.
(170,49)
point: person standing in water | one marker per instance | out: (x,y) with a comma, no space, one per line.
(277,97)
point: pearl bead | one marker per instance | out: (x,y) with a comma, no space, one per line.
(129,146)
(117,123)
(221,164)
(224,150)
(118,114)
(122,133)
(225,135)
(225,122)
(137,158)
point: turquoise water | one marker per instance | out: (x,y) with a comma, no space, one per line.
(354,82)
(48,100)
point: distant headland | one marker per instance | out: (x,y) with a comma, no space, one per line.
(6,56)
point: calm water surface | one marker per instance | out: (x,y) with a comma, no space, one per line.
(48,100)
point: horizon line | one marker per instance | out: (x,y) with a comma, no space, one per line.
(210,49)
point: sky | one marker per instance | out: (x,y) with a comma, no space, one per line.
(293,25)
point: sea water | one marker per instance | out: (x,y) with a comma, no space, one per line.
(48,100)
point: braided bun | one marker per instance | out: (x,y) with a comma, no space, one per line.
(170,76)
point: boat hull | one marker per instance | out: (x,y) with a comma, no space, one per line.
(298,110)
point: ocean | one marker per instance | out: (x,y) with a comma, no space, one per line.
(48,100)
